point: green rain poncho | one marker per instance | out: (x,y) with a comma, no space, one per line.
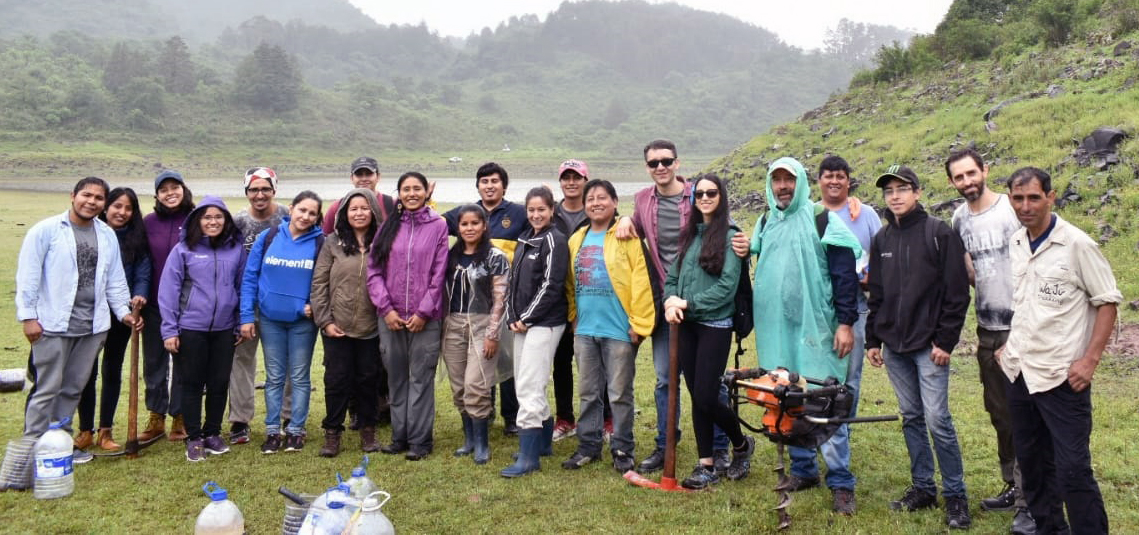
(794,312)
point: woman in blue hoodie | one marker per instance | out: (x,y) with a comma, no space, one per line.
(197,297)
(277,283)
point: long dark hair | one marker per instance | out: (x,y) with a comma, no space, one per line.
(482,249)
(347,234)
(183,207)
(382,247)
(715,233)
(193,226)
(132,239)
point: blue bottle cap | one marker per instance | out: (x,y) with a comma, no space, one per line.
(358,471)
(335,505)
(59,425)
(217,494)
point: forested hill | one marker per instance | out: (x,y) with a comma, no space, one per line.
(594,77)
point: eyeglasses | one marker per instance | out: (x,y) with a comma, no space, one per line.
(219,217)
(259,191)
(667,162)
(887,192)
(709,193)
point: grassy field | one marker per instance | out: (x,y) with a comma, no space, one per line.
(160,492)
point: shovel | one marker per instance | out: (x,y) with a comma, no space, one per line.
(133,446)
(668,478)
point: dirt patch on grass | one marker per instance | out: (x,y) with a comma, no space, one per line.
(1125,342)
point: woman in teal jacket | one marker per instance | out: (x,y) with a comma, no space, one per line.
(701,290)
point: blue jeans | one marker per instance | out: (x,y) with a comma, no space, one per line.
(288,347)
(660,393)
(922,388)
(605,363)
(836,450)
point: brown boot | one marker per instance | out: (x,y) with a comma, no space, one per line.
(155,427)
(368,441)
(177,430)
(83,440)
(105,441)
(331,447)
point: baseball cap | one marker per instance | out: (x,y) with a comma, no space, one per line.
(898,172)
(168,174)
(365,162)
(261,172)
(574,165)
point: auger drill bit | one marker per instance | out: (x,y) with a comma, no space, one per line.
(782,489)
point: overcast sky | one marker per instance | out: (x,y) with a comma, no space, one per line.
(798,22)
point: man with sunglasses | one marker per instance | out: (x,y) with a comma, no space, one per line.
(659,212)
(919,294)
(263,213)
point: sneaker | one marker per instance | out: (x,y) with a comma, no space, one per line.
(272,444)
(214,445)
(1005,501)
(702,477)
(741,460)
(294,442)
(913,500)
(239,433)
(843,501)
(577,460)
(1023,523)
(564,429)
(721,460)
(607,431)
(957,513)
(80,457)
(622,462)
(652,463)
(194,452)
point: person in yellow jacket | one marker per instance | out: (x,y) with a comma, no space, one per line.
(611,306)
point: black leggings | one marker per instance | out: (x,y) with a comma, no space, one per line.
(113,350)
(703,353)
(351,375)
(204,359)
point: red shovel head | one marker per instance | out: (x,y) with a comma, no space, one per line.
(666,483)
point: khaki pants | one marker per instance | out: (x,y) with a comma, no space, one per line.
(472,376)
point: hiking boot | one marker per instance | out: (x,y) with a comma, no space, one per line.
(417,453)
(368,441)
(105,442)
(564,429)
(80,457)
(272,444)
(239,433)
(741,460)
(177,429)
(577,460)
(957,513)
(84,440)
(155,428)
(795,483)
(721,460)
(702,477)
(214,445)
(1023,523)
(843,501)
(294,442)
(913,500)
(622,462)
(607,431)
(394,448)
(652,463)
(195,451)
(1005,501)
(331,447)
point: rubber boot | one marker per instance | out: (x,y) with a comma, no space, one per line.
(155,428)
(480,427)
(546,448)
(468,438)
(105,441)
(177,430)
(529,441)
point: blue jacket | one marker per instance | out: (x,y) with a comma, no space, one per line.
(137,273)
(278,281)
(198,287)
(47,276)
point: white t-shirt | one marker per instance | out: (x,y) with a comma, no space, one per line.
(986,236)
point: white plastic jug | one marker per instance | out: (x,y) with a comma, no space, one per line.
(359,485)
(330,509)
(54,477)
(220,516)
(370,521)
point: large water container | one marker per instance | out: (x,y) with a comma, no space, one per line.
(220,516)
(53,469)
(359,485)
(371,521)
(336,502)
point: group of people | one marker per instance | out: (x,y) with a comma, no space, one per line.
(526,289)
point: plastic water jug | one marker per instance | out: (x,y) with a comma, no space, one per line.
(220,516)
(359,485)
(54,477)
(330,509)
(370,521)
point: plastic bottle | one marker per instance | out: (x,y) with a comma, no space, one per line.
(220,516)
(315,522)
(360,486)
(53,469)
(371,521)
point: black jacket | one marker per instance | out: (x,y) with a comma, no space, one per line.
(919,289)
(537,292)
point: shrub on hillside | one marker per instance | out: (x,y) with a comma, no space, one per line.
(966,39)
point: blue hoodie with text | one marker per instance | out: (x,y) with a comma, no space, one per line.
(278,279)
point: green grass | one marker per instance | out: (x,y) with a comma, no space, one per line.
(160,492)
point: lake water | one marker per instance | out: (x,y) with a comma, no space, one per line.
(447,190)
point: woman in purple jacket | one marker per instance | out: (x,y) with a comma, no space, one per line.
(198,298)
(405,281)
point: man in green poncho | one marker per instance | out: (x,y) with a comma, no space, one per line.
(806,300)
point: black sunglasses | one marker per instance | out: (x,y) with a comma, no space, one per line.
(709,193)
(667,162)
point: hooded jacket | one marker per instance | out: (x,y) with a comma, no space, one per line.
(919,291)
(198,290)
(278,278)
(628,274)
(339,281)
(163,232)
(537,293)
(411,281)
